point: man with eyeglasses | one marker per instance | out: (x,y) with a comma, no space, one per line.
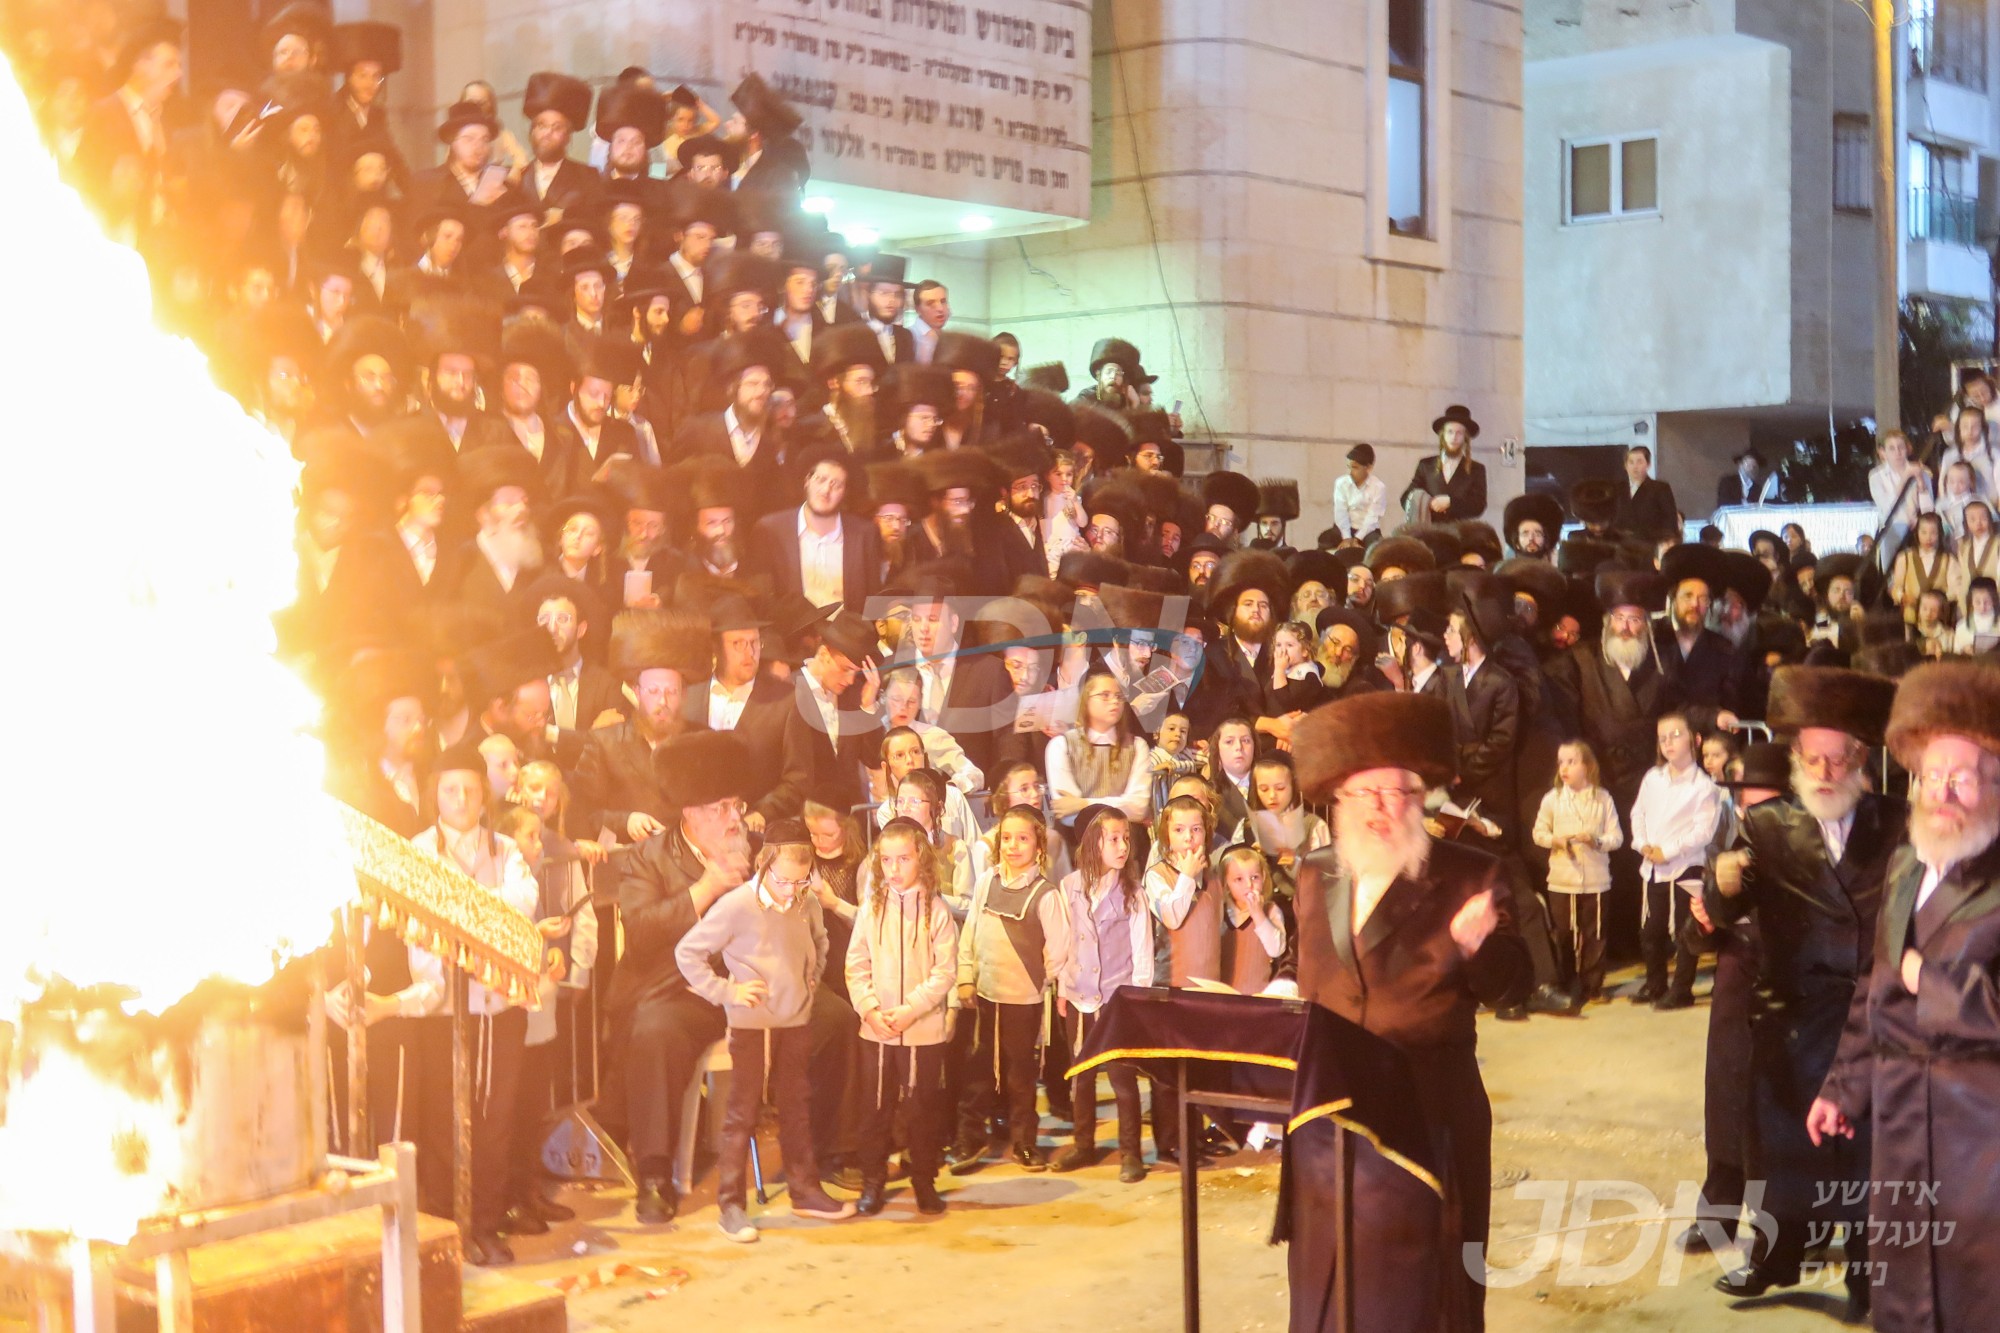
(1811,869)
(1407,938)
(1920,1056)
(659,1025)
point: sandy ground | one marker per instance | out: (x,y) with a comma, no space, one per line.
(1612,1096)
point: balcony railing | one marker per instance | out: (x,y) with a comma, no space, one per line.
(1938,215)
(1948,41)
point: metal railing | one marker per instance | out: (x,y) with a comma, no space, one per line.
(1940,215)
(1948,41)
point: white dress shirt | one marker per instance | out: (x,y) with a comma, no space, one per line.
(690,276)
(1834,833)
(422,545)
(742,443)
(1677,813)
(1358,510)
(822,562)
(936,673)
(725,706)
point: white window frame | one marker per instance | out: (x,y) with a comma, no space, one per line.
(1384,245)
(1618,213)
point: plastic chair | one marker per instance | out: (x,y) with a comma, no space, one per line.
(715,1060)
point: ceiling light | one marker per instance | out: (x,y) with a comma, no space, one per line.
(860,235)
(975,222)
(818,203)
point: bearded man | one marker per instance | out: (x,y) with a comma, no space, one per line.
(500,487)
(1811,869)
(712,492)
(1246,588)
(849,363)
(656,655)
(1346,653)
(660,1027)
(961,484)
(1921,1050)
(1615,686)
(1703,662)
(1407,938)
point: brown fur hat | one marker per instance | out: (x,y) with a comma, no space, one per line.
(1379,730)
(1477,538)
(1825,696)
(1951,698)
(1645,588)
(1241,571)
(702,767)
(1132,608)
(1404,553)
(1398,597)
(1443,542)
(645,638)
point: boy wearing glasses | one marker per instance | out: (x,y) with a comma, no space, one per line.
(770,937)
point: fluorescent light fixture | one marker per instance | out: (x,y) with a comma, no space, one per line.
(861,235)
(975,222)
(817,203)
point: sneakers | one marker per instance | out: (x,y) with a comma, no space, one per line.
(734,1224)
(820,1204)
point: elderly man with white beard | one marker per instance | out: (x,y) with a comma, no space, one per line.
(1407,938)
(1811,869)
(1920,1056)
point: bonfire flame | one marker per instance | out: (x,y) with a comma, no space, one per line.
(169,825)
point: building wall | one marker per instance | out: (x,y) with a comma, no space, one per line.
(1686,310)
(1230,238)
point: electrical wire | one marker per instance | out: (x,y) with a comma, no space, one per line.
(1039,271)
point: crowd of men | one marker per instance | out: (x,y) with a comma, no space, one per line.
(669,563)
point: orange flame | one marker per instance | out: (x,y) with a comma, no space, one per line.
(170,822)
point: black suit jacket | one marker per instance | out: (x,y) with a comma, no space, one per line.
(1710,675)
(1486,719)
(1649,512)
(575,465)
(1006,554)
(774,553)
(574,189)
(781,755)
(830,763)
(1466,489)
(654,905)
(707,435)
(1230,685)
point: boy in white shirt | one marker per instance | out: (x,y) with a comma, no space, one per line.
(1673,823)
(1359,498)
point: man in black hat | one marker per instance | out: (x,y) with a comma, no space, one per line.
(745,373)
(1703,663)
(469,179)
(1450,485)
(582,695)
(1531,523)
(835,692)
(818,549)
(1244,597)
(1114,364)
(507,694)
(694,232)
(887,291)
(1749,484)
(1406,937)
(493,568)
(517,221)
(1014,535)
(1646,505)
(1812,870)
(587,279)
(847,366)
(761,711)
(660,658)
(660,1028)
(366,374)
(556,105)
(632,122)
(591,436)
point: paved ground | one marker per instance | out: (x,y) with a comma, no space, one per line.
(1612,1096)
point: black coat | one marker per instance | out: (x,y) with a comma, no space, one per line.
(1486,722)
(614,779)
(1467,488)
(1710,675)
(1650,512)
(773,551)
(1926,1069)
(1230,685)
(574,190)
(656,910)
(1817,926)
(706,435)
(1617,716)
(781,757)
(1404,979)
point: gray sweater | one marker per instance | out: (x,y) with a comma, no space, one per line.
(757,942)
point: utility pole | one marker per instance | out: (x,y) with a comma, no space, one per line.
(1888,247)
